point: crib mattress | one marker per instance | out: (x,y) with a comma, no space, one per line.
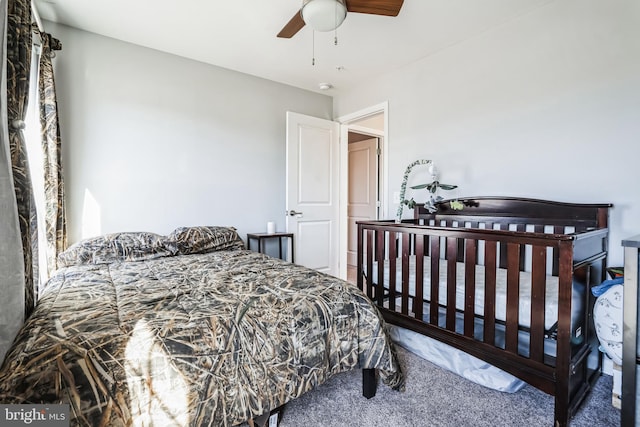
(524,308)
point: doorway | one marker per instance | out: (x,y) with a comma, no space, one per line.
(364,186)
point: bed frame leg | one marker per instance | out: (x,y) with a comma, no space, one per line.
(368,383)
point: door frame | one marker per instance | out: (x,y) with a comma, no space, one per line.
(377,146)
(346,124)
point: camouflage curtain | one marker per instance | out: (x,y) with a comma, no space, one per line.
(11,263)
(54,215)
(19,44)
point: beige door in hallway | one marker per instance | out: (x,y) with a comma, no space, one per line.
(362,199)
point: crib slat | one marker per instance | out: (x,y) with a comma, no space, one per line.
(418,300)
(521,227)
(393,255)
(513,294)
(490,266)
(435,280)
(503,249)
(470,286)
(452,257)
(427,246)
(369,283)
(450,224)
(474,225)
(558,229)
(380,252)
(406,247)
(538,291)
(360,257)
(460,257)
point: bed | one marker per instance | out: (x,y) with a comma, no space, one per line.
(510,285)
(189,329)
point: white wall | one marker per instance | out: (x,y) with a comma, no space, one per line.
(153,141)
(546,106)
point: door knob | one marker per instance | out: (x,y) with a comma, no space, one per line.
(294,213)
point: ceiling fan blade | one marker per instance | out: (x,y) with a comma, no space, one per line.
(294,25)
(375,7)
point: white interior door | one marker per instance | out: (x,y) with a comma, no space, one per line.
(362,199)
(312,186)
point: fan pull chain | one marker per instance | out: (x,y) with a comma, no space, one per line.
(313,48)
(335,31)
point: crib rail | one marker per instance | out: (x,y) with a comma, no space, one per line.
(391,245)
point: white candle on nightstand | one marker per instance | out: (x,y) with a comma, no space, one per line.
(271,227)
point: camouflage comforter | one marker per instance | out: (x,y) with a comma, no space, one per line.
(201,339)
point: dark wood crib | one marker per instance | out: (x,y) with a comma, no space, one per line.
(449,274)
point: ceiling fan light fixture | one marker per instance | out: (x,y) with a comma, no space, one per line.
(323,15)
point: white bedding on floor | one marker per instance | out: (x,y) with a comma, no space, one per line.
(551,298)
(456,361)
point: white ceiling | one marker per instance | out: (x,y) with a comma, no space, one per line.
(241,34)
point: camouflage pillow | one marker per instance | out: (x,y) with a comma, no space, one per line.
(135,246)
(202,239)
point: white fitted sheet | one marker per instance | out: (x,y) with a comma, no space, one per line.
(551,297)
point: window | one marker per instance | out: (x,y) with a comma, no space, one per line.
(33,139)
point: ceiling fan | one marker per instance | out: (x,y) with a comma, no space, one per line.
(327,15)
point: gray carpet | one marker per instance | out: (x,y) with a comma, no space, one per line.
(437,398)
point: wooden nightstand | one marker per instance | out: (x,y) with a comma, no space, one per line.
(261,237)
